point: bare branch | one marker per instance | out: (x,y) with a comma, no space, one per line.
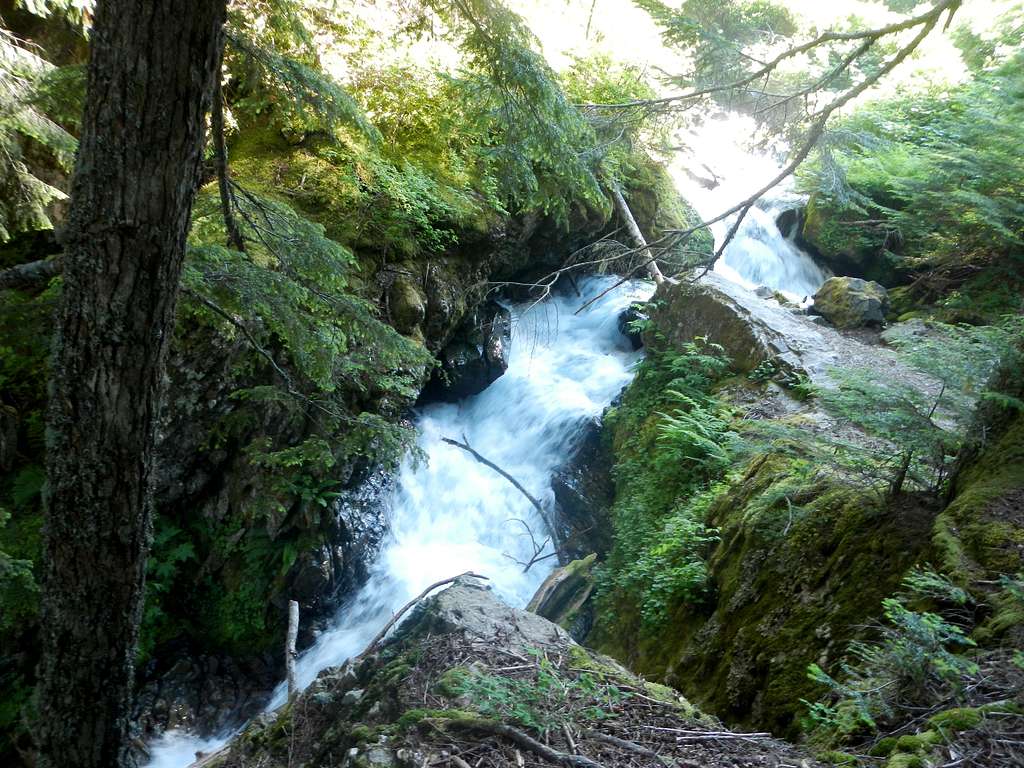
(405,608)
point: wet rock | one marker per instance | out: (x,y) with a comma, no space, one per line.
(204,694)
(849,302)
(565,597)
(476,611)
(584,491)
(475,358)
(764,292)
(360,520)
(753,331)
(353,697)
(408,305)
(632,314)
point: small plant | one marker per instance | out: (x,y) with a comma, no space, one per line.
(917,657)
(543,702)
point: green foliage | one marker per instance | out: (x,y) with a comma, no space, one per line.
(171,549)
(304,98)
(542,702)
(24,196)
(916,657)
(18,589)
(541,147)
(291,288)
(929,180)
(912,433)
(714,35)
(664,477)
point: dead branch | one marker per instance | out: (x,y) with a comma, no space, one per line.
(926,21)
(220,159)
(634,231)
(402,611)
(538,550)
(289,647)
(521,739)
(929,18)
(630,746)
(488,463)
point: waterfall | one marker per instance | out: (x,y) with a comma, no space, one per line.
(449,513)
(758,254)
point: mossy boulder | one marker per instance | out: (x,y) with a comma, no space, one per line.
(848,249)
(979,537)
(467,674)
(790,584)
(408,306)
(565,597)
(849,302)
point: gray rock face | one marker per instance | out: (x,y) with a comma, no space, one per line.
(583,495)
(753,330)
(203,693)
(477,611)
(849,302)
(475,357)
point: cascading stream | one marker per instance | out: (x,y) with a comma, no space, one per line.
(758,253)
(451,514)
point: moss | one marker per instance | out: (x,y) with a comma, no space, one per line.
(362,734)
(981,533)
(959,719)
(918,742)
(789,590)
(451,683)
(906,760)
(884,747)
(414,717)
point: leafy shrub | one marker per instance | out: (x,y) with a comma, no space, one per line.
(664,483)
(930,181)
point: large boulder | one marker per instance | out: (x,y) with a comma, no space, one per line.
(468,676)
(475,357)
(849,302)
(750,329)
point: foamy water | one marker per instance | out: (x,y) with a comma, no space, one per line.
(452,514)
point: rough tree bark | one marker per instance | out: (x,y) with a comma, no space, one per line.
(151,74)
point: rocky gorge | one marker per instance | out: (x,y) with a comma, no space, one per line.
(499,425)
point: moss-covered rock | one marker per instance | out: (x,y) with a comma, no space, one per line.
(479,676)
(848,302)
(847,249)
(564,597)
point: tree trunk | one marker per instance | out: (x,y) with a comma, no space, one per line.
(220,160)
(637,236)
(151,74)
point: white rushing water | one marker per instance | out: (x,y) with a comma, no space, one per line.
(452,514)
(759,254)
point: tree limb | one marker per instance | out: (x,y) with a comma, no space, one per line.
(527,742)
(488,463)
(31,276)
(402,611)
